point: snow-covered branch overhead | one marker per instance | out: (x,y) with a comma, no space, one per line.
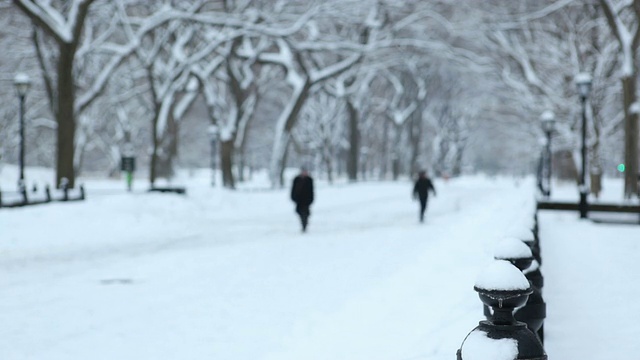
(334,69)
(50,19)
(626,39)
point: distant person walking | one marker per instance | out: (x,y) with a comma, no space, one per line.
(421,191)
(302,195)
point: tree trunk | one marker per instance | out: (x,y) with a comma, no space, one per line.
(595,168)
(241,164)
(460,144)
(457,162)
(63,107)
(283,135)
(284,164)
(241,136)
(329,166)
(443,151)
(384,158)
(226,164)
(364,164)
(354,143)
(167,150)
(395,165)
(153,165)
(241,97)
(65,117)
(415,134)
(630,138)
(628,54)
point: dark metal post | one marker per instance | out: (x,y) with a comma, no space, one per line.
(503,299)
(583,187)
(583,81)
(544,171)
(548,190)
(519,254)
(548,124)
(22,83)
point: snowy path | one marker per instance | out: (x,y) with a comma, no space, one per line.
(591,287)
(221,275)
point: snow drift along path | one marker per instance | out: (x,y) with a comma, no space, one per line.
(222,275)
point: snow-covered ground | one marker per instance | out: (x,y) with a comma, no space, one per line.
(218,274)
(592,279)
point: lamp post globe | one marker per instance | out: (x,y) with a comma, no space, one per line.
(583,83)
(548,123)
(22,83)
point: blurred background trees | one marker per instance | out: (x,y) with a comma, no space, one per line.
(352,88)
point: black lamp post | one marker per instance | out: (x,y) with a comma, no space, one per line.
(213,136)
(583,81)
(22,83)
(548,125)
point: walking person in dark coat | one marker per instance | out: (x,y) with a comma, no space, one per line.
(421,191)
(302,195)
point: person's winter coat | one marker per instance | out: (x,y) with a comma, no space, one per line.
(302,190)
(422,187)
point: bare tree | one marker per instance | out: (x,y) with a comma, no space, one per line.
(65,28)
(627,33)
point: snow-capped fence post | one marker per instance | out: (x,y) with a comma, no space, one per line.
(519,254)
(534,275)
(526,233)
(503,288)
(36,199)
(64,185)
(22,188)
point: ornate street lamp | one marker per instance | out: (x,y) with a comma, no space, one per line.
(583,82)
(548,122)
(22,84)
(213,137)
